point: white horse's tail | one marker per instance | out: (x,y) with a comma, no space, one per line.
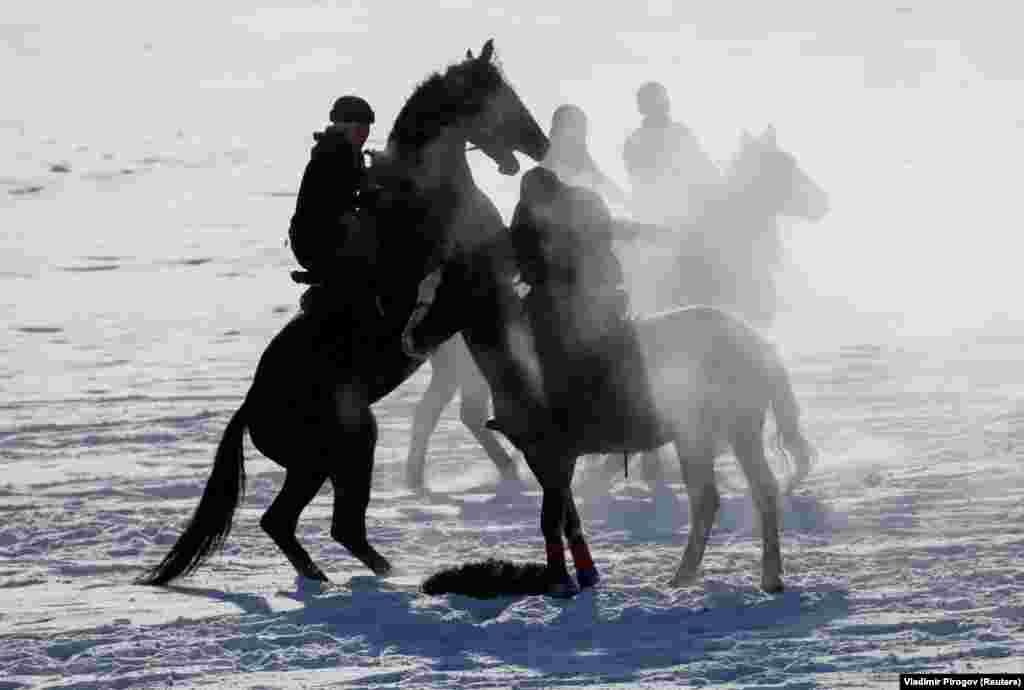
(790,440)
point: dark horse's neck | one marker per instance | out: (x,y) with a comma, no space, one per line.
(434,213)
(428,153)
(427,140)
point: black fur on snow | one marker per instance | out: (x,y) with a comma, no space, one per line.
(489,579)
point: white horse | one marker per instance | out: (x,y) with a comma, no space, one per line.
(727,258)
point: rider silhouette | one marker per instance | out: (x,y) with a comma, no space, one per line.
(562,238)
(333,239)
(562,235)
(671,176)
(569,157)
(326,233)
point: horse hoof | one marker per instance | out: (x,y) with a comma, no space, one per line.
(773,587)
(587,577)
(566,589)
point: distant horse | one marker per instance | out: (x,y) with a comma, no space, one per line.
(705,380)
(729,255)
(453,371)
(308,408)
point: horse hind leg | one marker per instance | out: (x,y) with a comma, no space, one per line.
(355,450)
(748,445)
(474,411)
(282,518)
(698,467)
(439,393)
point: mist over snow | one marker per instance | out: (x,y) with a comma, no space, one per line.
(909,115)
(149,157)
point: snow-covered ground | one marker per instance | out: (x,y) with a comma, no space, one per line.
(142,271)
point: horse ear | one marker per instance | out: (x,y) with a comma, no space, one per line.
(469,54)
(769,136)
(746,139)
(487,51)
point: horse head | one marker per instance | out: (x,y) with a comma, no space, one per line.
(498,123)
(764,170)
(470,102)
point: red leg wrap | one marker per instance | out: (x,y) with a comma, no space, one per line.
(556,554)
(581,555)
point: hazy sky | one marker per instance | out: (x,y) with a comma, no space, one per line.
(911,114)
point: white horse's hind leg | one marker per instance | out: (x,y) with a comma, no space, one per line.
(699,475)
(748,444)
(440,391)
(474,410)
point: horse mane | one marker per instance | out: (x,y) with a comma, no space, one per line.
(442,99)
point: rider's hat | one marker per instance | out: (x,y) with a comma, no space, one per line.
(352,109)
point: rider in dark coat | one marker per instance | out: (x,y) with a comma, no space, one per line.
(327,233)
(332,235)
(562,236)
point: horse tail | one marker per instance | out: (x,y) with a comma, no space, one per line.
(210,525)
(790,441)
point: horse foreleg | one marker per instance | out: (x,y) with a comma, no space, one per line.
(651,462)
(282,518)
(586,571)
(553,516)
(748,445)
(699,475)
(554,471)
(352,490)
(439,393)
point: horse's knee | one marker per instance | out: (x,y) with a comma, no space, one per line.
(705,500)
(348,527)
(351,537)
(713,500)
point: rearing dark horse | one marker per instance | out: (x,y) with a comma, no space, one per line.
(307,408)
